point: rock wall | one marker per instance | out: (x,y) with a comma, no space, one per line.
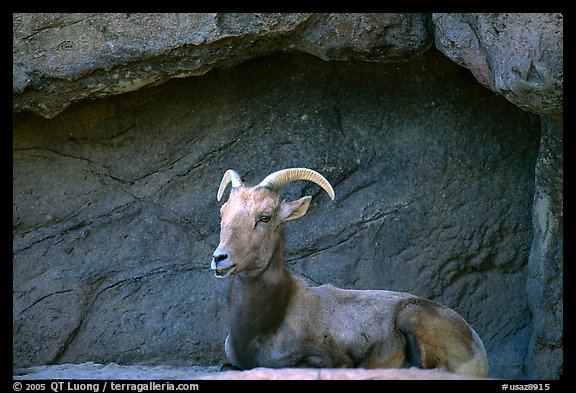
(62,58)
(521,57)
(516,55)
(443,188)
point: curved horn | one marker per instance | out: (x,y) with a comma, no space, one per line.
(282,177)
(230,176)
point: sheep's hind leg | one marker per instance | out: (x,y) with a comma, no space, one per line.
(437,337)
(386,354)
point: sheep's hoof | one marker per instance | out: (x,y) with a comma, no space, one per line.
(228,367)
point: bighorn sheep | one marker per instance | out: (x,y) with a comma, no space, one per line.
(277,320)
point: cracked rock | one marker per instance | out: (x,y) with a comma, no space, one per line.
(115,212)
(517,55)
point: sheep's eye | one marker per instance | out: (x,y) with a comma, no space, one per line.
(264,218)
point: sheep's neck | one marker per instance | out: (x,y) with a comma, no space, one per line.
(258,303)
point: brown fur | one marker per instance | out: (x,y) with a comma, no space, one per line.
(268,294)
(278,321)
(437,336)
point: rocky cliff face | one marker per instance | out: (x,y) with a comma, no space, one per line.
(443,188)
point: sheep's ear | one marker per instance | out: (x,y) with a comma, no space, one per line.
(295,209)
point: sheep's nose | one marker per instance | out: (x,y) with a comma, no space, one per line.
(220,254)
(219,257)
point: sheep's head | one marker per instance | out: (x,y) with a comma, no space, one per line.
(252,217)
